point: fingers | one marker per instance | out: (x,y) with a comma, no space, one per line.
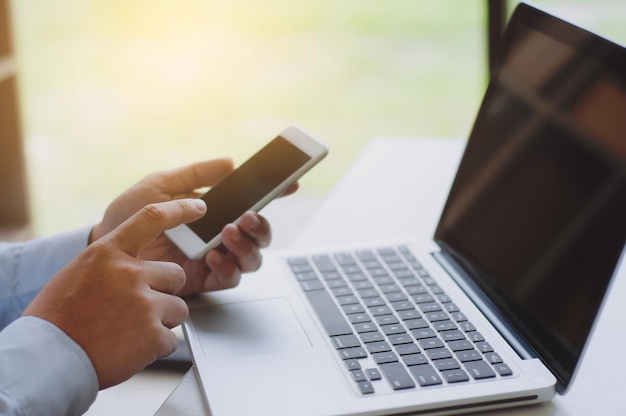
(256,228)
(145,225)
(165,277)
(243,243)
(198,175)
(293,188)
(173,311)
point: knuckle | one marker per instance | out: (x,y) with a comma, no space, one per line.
(152,213)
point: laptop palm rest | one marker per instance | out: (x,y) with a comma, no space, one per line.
(248,328)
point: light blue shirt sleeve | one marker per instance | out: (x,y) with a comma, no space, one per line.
(26,267)
(42,370)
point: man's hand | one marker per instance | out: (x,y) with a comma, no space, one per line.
(218,270)
(117,307)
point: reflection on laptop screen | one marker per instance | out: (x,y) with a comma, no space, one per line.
(537,212)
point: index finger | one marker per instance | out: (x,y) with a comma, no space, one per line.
(197,175)
(146,224)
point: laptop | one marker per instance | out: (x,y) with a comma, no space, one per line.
(496,309)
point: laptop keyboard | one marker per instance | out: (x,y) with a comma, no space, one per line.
(383,304)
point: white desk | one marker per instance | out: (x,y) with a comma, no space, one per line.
(398,187)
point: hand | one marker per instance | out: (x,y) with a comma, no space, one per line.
(218,270)
(117,307)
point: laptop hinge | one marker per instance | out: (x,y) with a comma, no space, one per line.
(481,301)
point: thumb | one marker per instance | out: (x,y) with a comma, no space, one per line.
(146,224)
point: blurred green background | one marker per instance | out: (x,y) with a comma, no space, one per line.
(113,90)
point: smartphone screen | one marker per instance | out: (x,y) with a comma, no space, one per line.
(243,188)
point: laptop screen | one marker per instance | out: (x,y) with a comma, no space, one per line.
(537,212)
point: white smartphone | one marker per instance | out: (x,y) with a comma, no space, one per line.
(263,177)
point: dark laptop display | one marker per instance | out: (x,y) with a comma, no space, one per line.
(537,212)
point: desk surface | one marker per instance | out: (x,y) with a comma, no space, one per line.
(398,187)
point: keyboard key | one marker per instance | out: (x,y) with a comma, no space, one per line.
(455,376)
(475,336)
(479,369)
(429,307)
(425,375)
(390,288)
(306,276)
(356,277)
(406,349)
(344,259)
(375,301)
(358,375)
(460,345)
(352,364)
(383,280)
(446,364)
(333,284)
(458,316)
(328,313)
(324,263)
(409,314)
(350,353)
(423,333)
(431,343)
(471,355)
(362,285)
(436,290)
(387,320)
(416,324)
(493,358)
(371,337)
(358,318)
(385,357)
(444,326)
(311,285)
(402,306)
(414,359)
(354,308)
(484,347)
(346,341)
(451,307)
(368,293)
(424,298)
(375,347)
(397,339)
(351,268)
(404,273)
(342,291)
(467,326)
(347,300)
(437,316)
(393,329)
(454,335)
(439,354)
(380,310)
(410,282)
(416,290)
(373,374)
(503,369)
(365,327)
(397,376)
(365,387)
(330,276)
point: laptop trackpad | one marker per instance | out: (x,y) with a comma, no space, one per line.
(248,328)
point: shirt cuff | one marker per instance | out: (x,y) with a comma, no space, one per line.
(43,371)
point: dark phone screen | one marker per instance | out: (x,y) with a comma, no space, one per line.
(239,191)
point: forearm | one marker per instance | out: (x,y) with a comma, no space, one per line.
(26,267)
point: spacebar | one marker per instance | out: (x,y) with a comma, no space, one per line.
(328,313)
